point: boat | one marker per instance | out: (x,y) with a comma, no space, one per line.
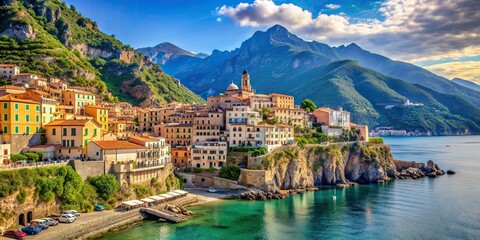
(212,190)
(447,145)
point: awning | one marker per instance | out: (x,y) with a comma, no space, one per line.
(156,198)
(180,191)
(147,200)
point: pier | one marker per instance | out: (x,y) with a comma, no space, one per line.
(164,214)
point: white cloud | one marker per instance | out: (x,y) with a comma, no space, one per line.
(219,19)
(414,30)
(332,6)
(469,70)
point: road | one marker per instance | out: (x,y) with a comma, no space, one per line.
(84,218)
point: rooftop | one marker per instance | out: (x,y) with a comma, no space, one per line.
(11,98)
(70,122)
(115,144)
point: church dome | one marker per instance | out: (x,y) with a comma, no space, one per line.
(232,87)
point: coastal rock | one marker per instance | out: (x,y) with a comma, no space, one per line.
(256,194)
(450,172)
(431,166)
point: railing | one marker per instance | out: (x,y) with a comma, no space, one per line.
(33,165)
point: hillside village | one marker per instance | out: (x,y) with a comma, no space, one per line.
(62,123)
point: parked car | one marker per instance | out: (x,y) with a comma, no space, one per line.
(43,224)
(212,190)
(73,212)
(51,221)
(66,218)
(14,233)
(99,208)
(31,230)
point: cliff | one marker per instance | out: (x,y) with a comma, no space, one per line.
(301,168)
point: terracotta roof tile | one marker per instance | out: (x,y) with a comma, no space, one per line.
(115,144)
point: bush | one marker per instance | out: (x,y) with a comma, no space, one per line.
(106,185)
(31,156)
(142,191)
(18,157)
(230,172)
(375,140)
(22,196)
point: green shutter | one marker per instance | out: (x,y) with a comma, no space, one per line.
(16,129)
(54,131)
(16,117)
(27,107)
(27,118)
(5,105)
(5,129)
(5,117)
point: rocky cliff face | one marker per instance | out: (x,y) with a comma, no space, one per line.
(19,31)
(296,168)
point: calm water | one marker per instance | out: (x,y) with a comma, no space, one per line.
(447,207)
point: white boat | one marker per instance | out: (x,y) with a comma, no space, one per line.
(212,190)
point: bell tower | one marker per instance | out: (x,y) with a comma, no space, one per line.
(246,81)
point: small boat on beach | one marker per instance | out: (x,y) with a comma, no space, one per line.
(212,190)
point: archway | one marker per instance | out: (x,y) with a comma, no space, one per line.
(29,216)
(21,220)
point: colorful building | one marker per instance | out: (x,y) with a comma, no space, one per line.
(100,114)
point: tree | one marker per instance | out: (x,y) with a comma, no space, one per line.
(308,105)
(265,113)
(230,172)
(106,185)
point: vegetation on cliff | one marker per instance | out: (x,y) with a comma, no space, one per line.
(48,38)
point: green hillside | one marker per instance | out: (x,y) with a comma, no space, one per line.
(365,93)
(50,39)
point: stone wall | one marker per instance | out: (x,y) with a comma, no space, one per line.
(240,158)
(88,168)
(255,178)
(199,180)
(19,141)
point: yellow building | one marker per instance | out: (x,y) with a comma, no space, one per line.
(48,105)
(98,113)
(18,116)
(73,135)
(78,99)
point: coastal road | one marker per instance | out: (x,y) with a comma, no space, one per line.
(83,219)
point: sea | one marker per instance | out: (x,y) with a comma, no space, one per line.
(446,207)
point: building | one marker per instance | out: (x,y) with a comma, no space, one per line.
(122,128)
(29,80)
(157,150)
(332,118)
(175,134)
(10,89)
(9,70)
(363,131)
(78,99)
(19,121)
(73,135)
(100,114)
(128,161)
(48,105)
(209,154)
(5,154)
(181,156)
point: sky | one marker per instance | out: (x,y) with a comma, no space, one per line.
(441,35)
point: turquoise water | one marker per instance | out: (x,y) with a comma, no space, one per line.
(447,207)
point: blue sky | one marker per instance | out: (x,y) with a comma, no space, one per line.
(437,34)
(191,24)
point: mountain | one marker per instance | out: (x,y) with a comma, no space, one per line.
(466,83)
(279,61)
(171,57)
(48,38)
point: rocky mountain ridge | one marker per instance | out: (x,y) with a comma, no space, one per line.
(48,38)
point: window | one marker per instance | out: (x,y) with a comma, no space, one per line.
(95,132)
(16,129)
(54,131)
(51,109)
(5,105)
(64,143)
(86,131)
(44,108)
(37,118)
(72,143)
(74,132)
(27,118)
(5,129)
(36,129)
(64,132)
(37,108)
(15,106)
(16,117)
(5,117)
(27,130)
(27,107)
